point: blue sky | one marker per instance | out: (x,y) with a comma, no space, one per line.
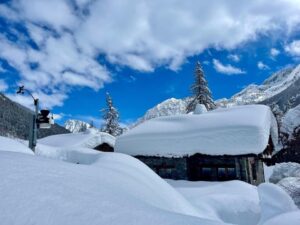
(70,52)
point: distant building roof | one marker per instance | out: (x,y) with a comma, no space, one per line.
(88,139)
(232,131)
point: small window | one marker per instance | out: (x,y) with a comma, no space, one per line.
(231,174)
(221,173)
(206,172)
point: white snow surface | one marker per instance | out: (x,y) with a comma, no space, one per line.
(283,170)
(104,188)
(14,145)
(199,109)
(291,121)
(113,188)
(274,201)
(233,202)
(87,139)
(232,131)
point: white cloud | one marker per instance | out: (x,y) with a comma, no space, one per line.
(136,33)
(58,116)
(234,57)
(262,66)
(3,86)
(47,101)
(226,69)
(293,48)
(274,52)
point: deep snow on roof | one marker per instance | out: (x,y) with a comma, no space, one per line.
(232,131)
(91,138)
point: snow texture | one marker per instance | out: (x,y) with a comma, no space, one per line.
(91,138)
(283,170)
(274,201)
(233,131)
(292,186)
(14,145)
(113,188)
(291,121)
(110,189)
(200,109)
(233,202)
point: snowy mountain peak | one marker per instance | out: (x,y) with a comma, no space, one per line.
(168,107)
(275,84)
(76,126)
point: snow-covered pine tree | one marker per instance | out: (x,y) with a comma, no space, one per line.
(111,117)
(200,90)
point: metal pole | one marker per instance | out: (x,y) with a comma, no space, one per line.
(33,127)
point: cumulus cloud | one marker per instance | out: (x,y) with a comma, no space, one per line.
(293,48)
(234,57)
(226,69)
(274,52)
(262,66)
(66,37)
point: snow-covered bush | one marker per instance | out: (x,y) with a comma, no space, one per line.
(284,170)
(292,186)
(287,176)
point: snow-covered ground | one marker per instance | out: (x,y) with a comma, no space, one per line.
(113,188)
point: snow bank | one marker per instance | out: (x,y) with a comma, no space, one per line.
(37,190)
(233,202)
(274,201)
(232,131)
(88,139)
(282,170)
(292,186)
(13,145)
(290,218)
(290,121)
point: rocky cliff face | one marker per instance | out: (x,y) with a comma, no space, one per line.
(15,119)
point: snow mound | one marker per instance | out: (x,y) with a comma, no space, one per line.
(290,218)
(37,190)
(91,138)
(233,131)
(283,170)
(291,121)
(234,202)
(292,186)
(199,109)
(13,145)
(274,201)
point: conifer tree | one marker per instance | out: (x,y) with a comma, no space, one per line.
(200,90)
(111,117)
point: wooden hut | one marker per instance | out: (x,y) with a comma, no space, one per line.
(224,144)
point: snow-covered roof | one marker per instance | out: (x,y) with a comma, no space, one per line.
(91,138)
(232,131)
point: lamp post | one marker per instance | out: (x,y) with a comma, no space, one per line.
(33,123)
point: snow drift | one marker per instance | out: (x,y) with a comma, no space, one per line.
(91,138)
(233,131)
